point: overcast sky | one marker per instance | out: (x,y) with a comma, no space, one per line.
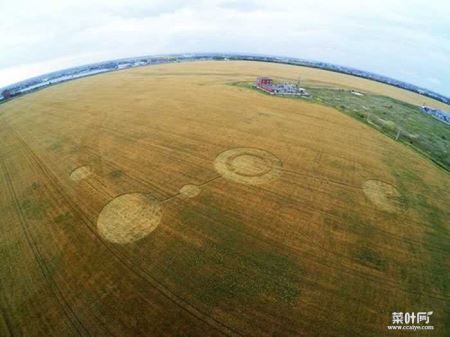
(408,40)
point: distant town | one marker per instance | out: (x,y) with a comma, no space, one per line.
(436,113)
(39,82)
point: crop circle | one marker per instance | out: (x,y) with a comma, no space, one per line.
(129,218)
(384,196)
(190,191)
(248,166)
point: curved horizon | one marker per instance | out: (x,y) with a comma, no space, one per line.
(273,58)
(409,43)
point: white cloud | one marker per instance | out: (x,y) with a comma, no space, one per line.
(405,40)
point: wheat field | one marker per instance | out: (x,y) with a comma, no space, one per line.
(164,201)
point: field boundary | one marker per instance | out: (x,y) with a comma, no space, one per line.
(372,125)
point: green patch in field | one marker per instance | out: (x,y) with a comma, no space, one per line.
(257,275)
(9,249)
(406,176)
(33,209)
(369,257)
(232,264)
(52,264)
(56,146)
(63,218)
(116,174)
(435,241)
(431,213)
(434,248)
(352,222)
(408,181)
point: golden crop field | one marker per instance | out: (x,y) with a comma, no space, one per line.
(164,201)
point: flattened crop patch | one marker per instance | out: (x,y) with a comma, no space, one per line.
(129,218)
(384,196)
(190,191)
(248,166)
(80,173)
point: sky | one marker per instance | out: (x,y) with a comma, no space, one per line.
(408,40)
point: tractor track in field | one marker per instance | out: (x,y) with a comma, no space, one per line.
(306,253)
(178,301)
(198,185)
(6,320)
(344,268)
(68,311)
(350,270)
(389,235)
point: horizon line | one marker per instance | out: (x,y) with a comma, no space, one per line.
(327,66)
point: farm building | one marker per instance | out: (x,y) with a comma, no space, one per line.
(267,84)
(436,113)
(261,81)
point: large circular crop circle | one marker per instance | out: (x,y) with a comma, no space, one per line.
(383,195)
(248,166)
(129,217)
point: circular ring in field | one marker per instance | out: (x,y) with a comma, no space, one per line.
(129,218)
(80,173)
(383,195)
(248,166)
(190,191)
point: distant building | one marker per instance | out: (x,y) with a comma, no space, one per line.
(266,84)
(7,94)
(261,81)
(436,113)
(123,66)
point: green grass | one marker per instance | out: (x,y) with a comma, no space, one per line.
(433,218)
(422,132)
